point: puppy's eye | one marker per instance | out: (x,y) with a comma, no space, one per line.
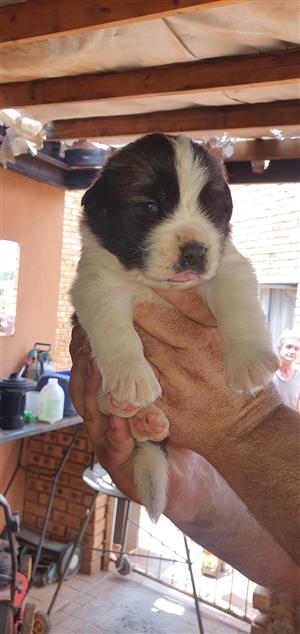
(150,207)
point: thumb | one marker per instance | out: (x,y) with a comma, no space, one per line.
(120,443)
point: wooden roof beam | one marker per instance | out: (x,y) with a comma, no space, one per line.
(218,74)
(186,120)
(44,19)
(262,150)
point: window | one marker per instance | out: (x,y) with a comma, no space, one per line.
(278,303)
(9,272)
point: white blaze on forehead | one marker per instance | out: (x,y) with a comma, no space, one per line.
(191,174)
(188,222)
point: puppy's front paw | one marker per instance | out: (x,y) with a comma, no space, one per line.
(149,423)
(247,369)
(134,383)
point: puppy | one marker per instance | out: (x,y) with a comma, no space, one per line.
(157,218)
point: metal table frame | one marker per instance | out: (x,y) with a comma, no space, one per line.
(33,429)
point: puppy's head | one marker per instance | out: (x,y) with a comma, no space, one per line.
(162,207)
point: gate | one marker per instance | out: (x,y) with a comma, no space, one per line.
(160,555)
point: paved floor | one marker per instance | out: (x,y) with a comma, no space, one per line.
(108,603)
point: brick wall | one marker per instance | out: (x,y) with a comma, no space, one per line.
(266,228)
(69,259)
(73,497)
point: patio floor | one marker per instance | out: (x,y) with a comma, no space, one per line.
(108,603)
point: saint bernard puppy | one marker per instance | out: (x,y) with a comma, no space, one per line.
(158,217)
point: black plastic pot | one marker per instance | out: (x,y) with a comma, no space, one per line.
(12,400)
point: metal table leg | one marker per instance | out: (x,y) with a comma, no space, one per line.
(49,506)
(17,467)
(73,550)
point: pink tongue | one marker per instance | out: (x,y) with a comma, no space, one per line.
(184,277)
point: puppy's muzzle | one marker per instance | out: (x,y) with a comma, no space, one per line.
(192,256)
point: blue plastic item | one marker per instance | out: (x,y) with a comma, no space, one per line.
(63,380)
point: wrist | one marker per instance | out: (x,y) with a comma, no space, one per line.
(190,477)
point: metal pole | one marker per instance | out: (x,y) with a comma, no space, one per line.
(75,545)
(189,563)
(16,468)
(125,526)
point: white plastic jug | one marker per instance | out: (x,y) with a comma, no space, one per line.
(51,402)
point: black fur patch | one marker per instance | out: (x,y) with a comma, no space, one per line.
(138,188)
(117,207)
(215,197)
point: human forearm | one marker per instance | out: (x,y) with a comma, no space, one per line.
(262,465)
(210,512)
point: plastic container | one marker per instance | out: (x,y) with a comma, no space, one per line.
(51,402)
(63,380)
(32,402)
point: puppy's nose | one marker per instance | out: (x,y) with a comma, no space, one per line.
(192,255)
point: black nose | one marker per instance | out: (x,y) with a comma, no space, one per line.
(192,255)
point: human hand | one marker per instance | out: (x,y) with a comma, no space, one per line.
(111,437)
(199,501)
(182,344)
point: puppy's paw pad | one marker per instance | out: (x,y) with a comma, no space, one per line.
(149,423)
(249,370)
(121,405)
(134,383)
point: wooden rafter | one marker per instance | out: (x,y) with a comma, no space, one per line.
(42,19)
(222,119)
(263,149)
(215,74)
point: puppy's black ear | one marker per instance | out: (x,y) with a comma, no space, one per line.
(93,200)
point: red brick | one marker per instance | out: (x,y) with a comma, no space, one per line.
(93,542)
(64,479)
(31,496)
(35,509)
(99,514)
(69,494)
(87,499)
(52,450)
(95,528)
(30,520)
(43,461)
(101,500)
(90,567)
(35,445)
(76,509)
(78,483)
(68,520)
(54,530)
(71,534)
(81,457)
(91,555)
(58,503)
(73,468)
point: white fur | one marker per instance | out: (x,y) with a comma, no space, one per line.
(232,296)
(151,477)
(104,294)
(186,223)
(192,176)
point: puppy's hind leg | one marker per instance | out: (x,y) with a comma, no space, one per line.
(149,423)
(150,461)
